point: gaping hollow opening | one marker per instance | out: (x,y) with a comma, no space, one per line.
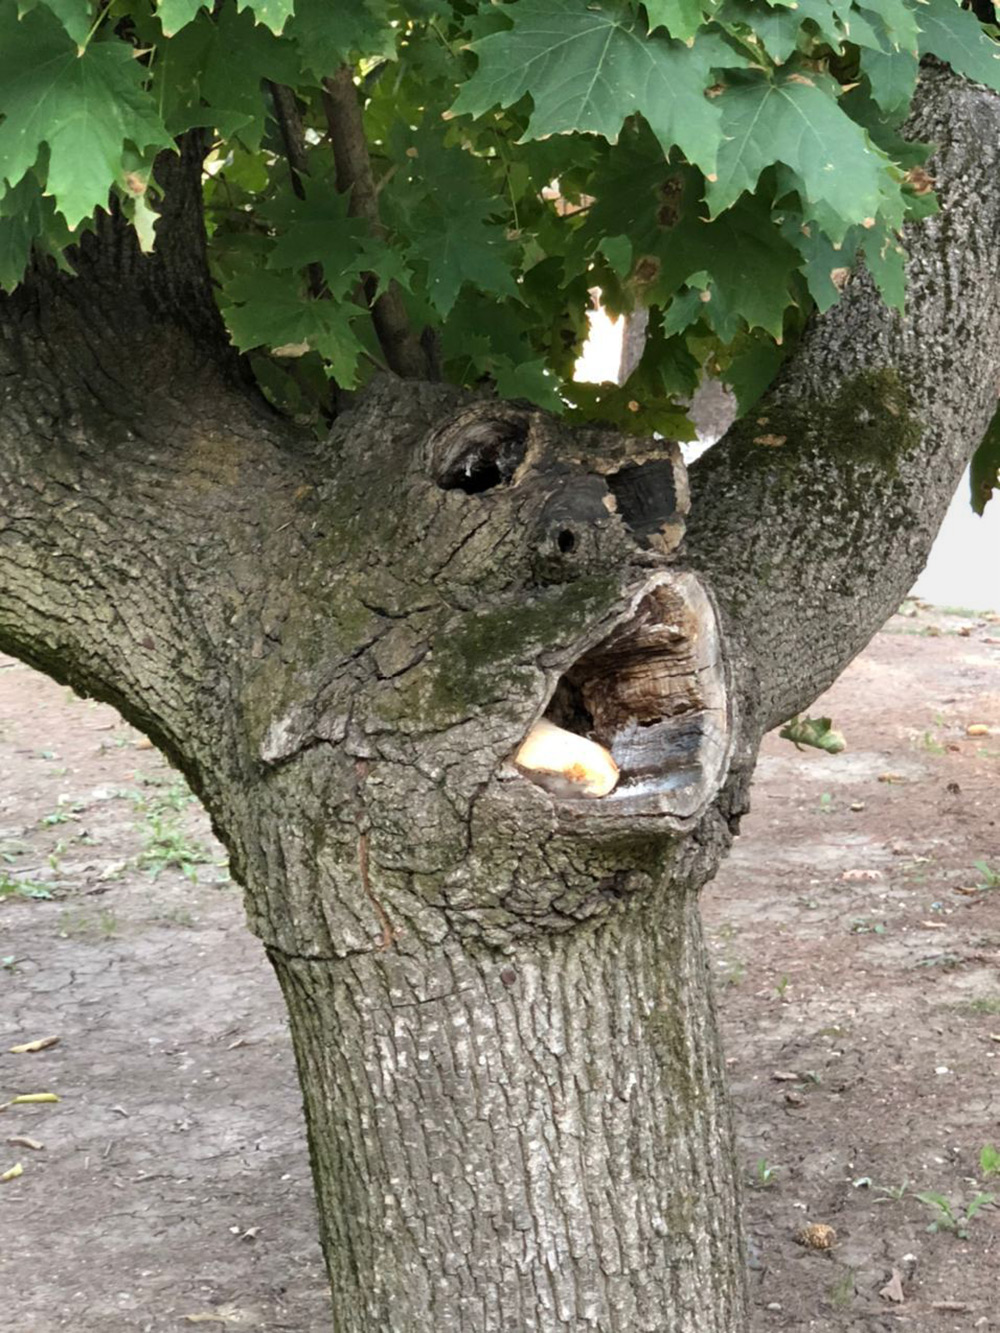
(566,541)
(645,706)
(486,455)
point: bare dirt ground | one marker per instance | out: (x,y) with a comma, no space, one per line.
(855,941)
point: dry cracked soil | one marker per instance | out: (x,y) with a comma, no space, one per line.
(855,941)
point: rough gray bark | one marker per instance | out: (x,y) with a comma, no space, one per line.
(856,450)
(498,995)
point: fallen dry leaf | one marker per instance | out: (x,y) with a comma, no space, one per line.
(950,1307)
(890,777)
(22,1141)
(893,1289)
(785,1076)
(32,1099)
(977,729)
(16,1170)
(862,874)
(934,925)
(29,1047)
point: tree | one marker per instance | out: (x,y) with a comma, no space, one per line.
(338,579)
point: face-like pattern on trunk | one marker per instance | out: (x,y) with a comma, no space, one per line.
(488,566)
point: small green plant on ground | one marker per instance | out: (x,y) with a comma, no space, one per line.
(80,923)
(167,845)
(860,925)
(989,1004)
(949,1218)
(989,1161)
(10,887)
(990,878)
(825,806)
(765,1175)
(163,794)
(65,811)
(931,744)
(842,1291)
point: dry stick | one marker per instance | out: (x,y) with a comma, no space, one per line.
(354,175)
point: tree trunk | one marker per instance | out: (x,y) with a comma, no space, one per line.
(496,984)
(533,1140)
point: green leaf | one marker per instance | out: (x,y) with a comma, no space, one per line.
(898,21)
(74,15)
(984,475)
(618,252)
(212,70)
(274,14)
(527,379)
(815,731)
(747,262)
(886,260)
(957,36)
(777,30)
(84,107)
(824,265)
(681,18)
(266,310)
(327,34)
(177,14)
(751,370)
(587,68)
(318,230)
(20,223)
(893,80)
(795,120)
(687,307)
(464,247)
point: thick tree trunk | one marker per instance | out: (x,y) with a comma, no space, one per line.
(533,1140)
(497,987)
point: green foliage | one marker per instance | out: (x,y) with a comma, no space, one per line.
(984,475)
(723,162)
(951,1217)
(12,887)
(818,732)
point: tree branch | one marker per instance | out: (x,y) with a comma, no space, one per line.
(813,516)
(403,351)
(139,477)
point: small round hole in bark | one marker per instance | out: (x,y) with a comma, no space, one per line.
(485,455)
(566,541)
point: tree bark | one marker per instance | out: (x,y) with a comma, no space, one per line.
(855,452)
(534,1140)
(497,989)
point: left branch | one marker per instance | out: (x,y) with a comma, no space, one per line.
(140,479)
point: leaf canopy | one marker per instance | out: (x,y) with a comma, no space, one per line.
(723,162)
